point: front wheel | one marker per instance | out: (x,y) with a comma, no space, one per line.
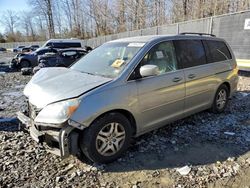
(24,64)
(220,99)
(107,138)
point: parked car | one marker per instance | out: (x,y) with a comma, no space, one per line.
(26,50)
(3,49)
(18,49)
(63,43)
(31,59)
(63,58)
(34,47)
(14,61)
(125,88)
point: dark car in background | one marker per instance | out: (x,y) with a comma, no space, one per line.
(63,43)
(26,50)
(18,49)
(34,47)
(30,59)
(63,58)
(31,48)
(13,62)
(3,49)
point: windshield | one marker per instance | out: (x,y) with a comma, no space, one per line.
(108,60)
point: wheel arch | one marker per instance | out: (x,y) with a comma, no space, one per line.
(228,86)
(124,112)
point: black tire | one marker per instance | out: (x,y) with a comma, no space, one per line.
(216,108)
(89,143)
(24,64)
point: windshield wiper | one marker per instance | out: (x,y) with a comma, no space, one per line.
(87,73)
(97,74)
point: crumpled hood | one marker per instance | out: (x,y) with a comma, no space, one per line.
(54,84)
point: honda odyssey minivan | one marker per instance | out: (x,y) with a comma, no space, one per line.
(125,88)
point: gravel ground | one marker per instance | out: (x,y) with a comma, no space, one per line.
(204,150)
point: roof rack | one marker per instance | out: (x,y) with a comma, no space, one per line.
(190,33)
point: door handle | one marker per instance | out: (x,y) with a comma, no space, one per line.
(177,79)
(191,76)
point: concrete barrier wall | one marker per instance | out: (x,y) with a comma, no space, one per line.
(230,27)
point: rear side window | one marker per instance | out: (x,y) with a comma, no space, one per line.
(190,53)
(59,45)
(69,53)
(74,44)
(216,51)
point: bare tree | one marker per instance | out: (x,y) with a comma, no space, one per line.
(44,9)
(9,20)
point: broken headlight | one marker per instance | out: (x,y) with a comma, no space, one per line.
(58,112)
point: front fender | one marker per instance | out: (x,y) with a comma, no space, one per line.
(94,105)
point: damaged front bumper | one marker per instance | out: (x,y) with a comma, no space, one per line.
(62,141)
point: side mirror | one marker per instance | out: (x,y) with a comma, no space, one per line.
(149,70)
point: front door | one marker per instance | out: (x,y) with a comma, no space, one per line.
(161,97)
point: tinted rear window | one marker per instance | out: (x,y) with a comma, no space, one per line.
(190,53)
(74,44)
(216,51)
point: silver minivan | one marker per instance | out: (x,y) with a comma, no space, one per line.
(125,88)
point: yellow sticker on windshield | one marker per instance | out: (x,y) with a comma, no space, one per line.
(118,63)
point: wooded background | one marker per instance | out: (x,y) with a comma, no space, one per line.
(91,18)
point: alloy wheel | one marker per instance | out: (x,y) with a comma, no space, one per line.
(110,139)
(221,99)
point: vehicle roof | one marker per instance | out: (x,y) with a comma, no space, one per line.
(69,49)
(63,40)
(148,38)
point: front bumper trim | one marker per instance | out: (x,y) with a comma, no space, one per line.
(24,119)
(62,136)
(36,135)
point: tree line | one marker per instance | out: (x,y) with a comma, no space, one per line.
(90,18)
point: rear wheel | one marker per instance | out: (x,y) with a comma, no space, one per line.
(107,138)
(220,99)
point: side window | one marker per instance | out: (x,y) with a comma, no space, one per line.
(216,51)
(49,44)
(59,45)
(190,53)
(41,52)
(50,50)
(69,53)
(74,44)
(163,56)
